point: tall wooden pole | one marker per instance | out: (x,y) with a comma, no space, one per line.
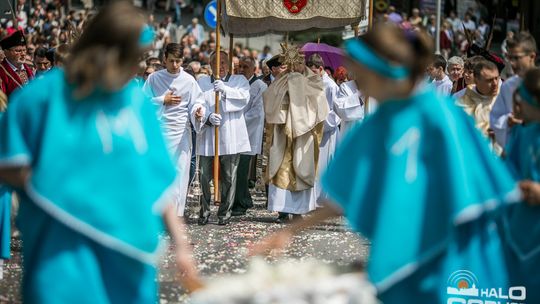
(438,29)
(231,49)
(217,196)
(370,25)
(370,21)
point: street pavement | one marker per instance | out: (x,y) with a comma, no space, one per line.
(222,249)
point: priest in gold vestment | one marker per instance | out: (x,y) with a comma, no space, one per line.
(479,98)
(295,109)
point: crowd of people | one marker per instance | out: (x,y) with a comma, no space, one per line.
(197,45)
(457,33)
(134,107)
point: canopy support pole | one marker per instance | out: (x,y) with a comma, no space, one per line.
(217,196)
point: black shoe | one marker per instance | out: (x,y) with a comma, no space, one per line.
(282,218)
(238,212)
(223,222)
(203,220)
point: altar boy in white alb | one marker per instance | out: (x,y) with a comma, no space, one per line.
(331,124)
(350,101)
(233,136)
(177,94)
(254,115)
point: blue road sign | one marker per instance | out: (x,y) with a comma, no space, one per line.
(210,14)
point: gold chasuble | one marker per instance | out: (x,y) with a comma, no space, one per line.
(479,106)
(295,107)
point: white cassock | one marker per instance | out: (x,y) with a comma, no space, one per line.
(502,108)
(254,115)
(349,105)
(233,133)
(330,135)
(175,122)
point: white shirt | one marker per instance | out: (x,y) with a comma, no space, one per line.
(502,108)
(233,134)
(470,25)
(443,86)
(457,26)
(174,118)
(254,115)
(14,68)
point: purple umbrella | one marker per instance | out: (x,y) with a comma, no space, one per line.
(395,18)
(332,56)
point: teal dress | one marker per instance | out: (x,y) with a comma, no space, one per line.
(5,224)
(521,222)
(90,214)
(419,181)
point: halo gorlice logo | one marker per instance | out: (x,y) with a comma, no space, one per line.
(463,283)
(462,288)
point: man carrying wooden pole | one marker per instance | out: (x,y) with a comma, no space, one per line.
(223,134)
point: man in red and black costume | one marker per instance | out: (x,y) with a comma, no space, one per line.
(13,72)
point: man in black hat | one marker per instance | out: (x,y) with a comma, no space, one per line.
(14,73)
(275,69)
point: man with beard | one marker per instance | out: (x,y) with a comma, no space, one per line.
(14,73)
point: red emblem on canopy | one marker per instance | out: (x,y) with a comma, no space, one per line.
(294,6)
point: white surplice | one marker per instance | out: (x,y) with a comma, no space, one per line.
(330,135)
(443,86)
(254,115)
(176,123)
(502,108)
(349,105)
(233,134)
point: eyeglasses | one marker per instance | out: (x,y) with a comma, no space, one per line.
(17,50)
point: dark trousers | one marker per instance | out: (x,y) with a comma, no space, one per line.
(242,200)
(253,171)
(228,166)
(193,154)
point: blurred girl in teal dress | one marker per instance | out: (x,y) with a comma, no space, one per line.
(521,222)
(416,178)
(5,209)
(84,150)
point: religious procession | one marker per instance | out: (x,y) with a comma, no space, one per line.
(296,151)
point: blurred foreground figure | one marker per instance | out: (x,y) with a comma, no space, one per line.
(416,178)
(88,160)
(522,221)
(5,208)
